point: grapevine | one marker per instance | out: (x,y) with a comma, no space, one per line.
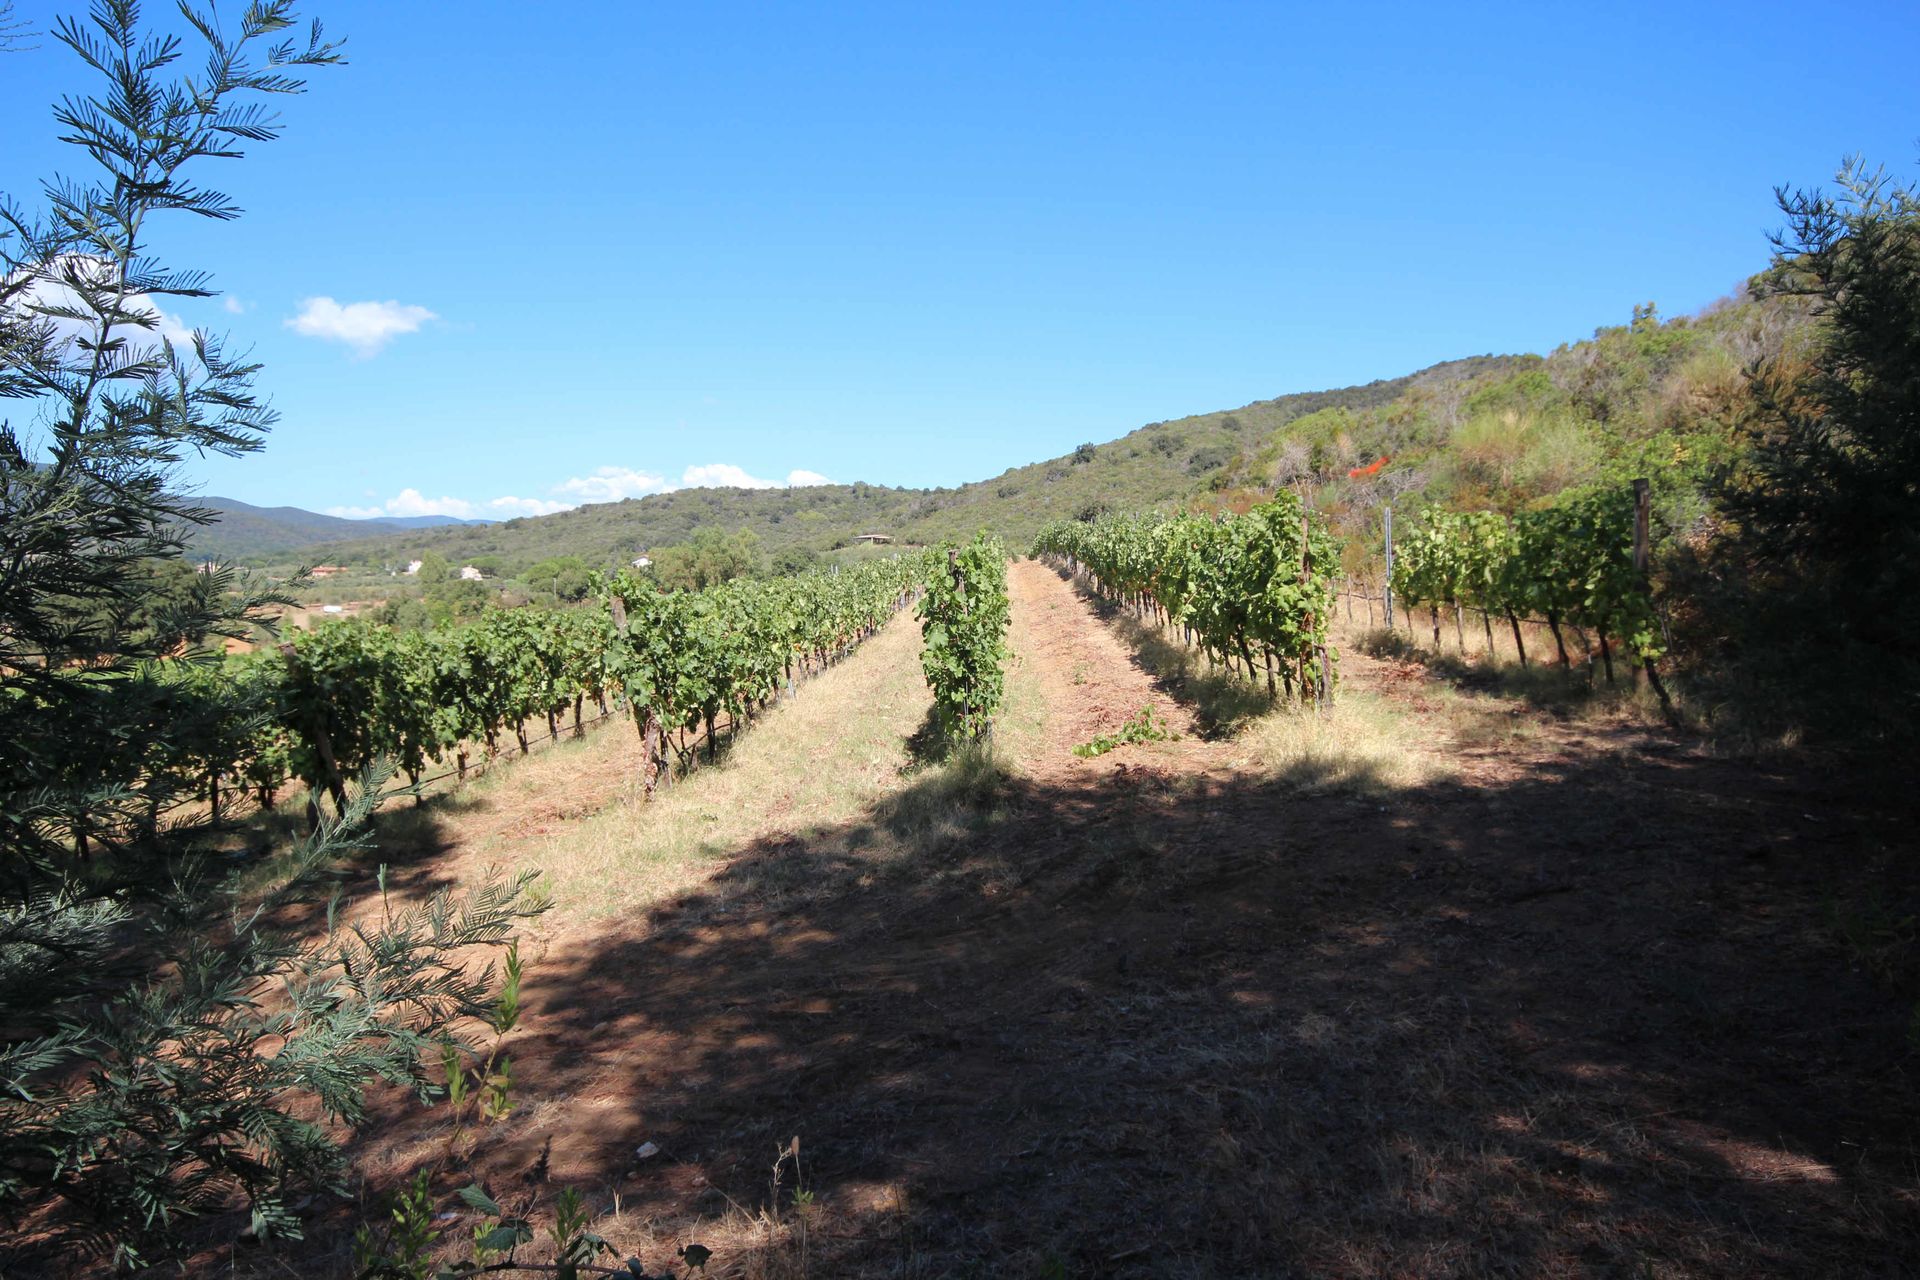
(1568,564)
(963,623)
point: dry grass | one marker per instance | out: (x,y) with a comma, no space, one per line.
(819,761)
(1578,692)
(484,819)
(1019,726)
(1362,744)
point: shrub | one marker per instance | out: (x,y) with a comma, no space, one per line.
(1211,458)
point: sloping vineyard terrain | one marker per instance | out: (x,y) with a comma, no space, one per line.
(1189,1008)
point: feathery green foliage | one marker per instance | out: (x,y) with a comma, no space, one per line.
(164,1053)
(1821,573)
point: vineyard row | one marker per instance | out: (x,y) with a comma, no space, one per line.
(1259,585)
(327,704)
(1580,563)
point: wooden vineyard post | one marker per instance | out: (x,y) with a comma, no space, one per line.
(1386,589)
(1323,691)
(650,766)
(1643,568)
(960,591)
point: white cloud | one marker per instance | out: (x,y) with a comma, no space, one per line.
(165,324)
(54,290)
(411,502)
(722,475)
(611,484)
(364,326)
(528,506)
(607,484)
(233,305)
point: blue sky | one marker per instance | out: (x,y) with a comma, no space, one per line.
(530,258)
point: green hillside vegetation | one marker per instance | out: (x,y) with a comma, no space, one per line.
(1671,401)
(609,534)
(1160,463)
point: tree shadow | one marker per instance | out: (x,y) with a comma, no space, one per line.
(1576,1020)
(405,846)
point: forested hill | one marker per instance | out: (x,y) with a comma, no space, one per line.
(246,532)
(1154,464)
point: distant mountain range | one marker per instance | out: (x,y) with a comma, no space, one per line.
(247,532)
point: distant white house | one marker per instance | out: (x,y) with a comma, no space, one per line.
(470,574)
(641,562)
(331,608)
(413,566)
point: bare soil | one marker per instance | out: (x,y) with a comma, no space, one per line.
(1578,1009)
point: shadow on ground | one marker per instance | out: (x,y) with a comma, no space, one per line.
(1581,686)
(1589,1023)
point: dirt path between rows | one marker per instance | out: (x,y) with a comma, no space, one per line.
(1089,682)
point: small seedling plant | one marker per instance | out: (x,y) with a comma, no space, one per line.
(410,1245)
(1145,725)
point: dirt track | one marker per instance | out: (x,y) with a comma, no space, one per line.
(1089,682)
